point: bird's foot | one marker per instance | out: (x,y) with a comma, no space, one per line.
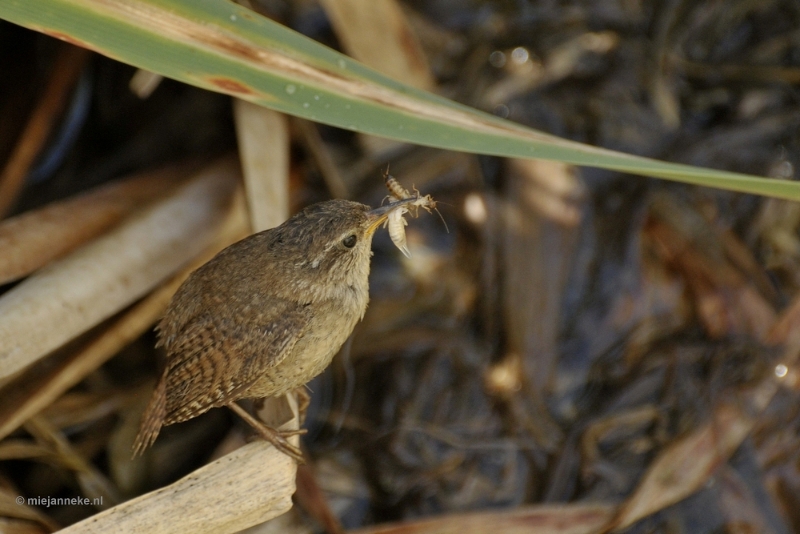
(276,437)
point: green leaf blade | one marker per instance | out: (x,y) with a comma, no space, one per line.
(223,47)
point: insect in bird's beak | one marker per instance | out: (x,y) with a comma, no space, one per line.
(379,215)
(393,214)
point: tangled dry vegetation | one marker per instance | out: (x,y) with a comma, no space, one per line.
(583,352)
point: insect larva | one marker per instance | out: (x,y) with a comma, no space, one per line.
(397,230)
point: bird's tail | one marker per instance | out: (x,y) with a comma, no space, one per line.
(153,418)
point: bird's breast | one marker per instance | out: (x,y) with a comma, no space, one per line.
(329,326)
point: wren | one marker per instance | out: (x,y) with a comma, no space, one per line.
(264,316)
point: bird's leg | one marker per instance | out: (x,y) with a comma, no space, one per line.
(303,400)
(276,437)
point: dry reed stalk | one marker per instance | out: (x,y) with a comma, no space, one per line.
(249,486)
(35,238)
(74,294)
(263,137)
(545,519)
(28,395)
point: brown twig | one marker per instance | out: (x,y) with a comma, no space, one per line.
(68,66)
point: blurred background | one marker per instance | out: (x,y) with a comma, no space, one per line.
(572,336)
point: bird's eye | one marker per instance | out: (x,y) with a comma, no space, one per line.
(349,241)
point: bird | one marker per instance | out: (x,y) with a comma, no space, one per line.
(264,316)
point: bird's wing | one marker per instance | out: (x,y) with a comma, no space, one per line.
(212,362)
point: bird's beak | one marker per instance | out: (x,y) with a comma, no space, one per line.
(378,215)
